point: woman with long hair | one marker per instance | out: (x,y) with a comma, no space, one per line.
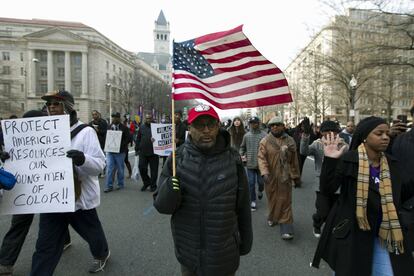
(365,233)
(237,132)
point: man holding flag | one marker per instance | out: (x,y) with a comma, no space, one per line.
(207,194)
(208,199)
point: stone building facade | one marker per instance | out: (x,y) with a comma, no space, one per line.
(37,56)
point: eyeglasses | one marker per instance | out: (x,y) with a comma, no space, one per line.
(53,103)
(200,126)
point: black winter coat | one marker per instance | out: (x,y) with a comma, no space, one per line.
(347,249)
(211,217)
(143,143)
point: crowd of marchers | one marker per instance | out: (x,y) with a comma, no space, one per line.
(214,182)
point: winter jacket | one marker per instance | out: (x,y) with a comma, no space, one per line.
(143,143)
(250,147)
(347,249)
(211,217)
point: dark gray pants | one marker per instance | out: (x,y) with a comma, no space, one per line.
(52,229)
(153,161)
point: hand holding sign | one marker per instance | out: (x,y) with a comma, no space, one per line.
(4,156)
(78,158)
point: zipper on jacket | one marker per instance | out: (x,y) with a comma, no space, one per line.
(203,205)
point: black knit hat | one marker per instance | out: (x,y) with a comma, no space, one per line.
(363,129)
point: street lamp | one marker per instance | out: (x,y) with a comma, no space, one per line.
(108,86)
(353,85)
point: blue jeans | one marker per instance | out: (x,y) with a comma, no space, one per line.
(114,160)
(381,263)
(253,175)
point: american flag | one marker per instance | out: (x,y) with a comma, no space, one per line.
(226,70)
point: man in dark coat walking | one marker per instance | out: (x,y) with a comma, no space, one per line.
(208,199)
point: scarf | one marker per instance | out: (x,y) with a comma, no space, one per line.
(390,230)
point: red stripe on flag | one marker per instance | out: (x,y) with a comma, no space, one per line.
(231,80)
(238,92)
(225,47)
(243,66)
(235,57)
(279,99)
(218,35)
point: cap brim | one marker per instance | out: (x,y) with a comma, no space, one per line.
(51,97)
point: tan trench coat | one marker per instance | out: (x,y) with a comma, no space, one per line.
(277,158)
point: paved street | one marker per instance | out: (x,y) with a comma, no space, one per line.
(141,244)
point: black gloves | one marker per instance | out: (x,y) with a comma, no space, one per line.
(4,155)
(78,158)
(306,125)
(175,184)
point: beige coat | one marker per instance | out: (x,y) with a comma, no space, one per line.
(277,158)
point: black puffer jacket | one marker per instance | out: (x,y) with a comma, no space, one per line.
(211,218)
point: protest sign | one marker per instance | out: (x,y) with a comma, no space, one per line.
(162,133)
(37,148)
(113,141)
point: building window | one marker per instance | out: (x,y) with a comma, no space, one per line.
(6,56)
(22,106)
(120,70)
(43,71)
(107,64)
(77,73)
(158,36)
(21,87)
(61,72)
(77,59)
(43,88)
(21,57)
(165,37)
(6,70)
(6,89)
(22,71)
(43,56)
(61,86)
(77,89)
(113,67)
(107,77)
(60,57)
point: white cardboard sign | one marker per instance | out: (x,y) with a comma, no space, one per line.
(37,148)
(113,141)
(162,133)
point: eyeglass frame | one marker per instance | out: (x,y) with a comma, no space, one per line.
(54,103)
(210,124)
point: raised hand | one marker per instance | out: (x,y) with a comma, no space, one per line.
(330,146)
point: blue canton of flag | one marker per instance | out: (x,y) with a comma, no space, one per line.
(189,59)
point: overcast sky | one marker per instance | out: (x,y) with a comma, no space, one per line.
(277,28)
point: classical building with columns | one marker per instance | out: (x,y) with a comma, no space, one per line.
(37,56)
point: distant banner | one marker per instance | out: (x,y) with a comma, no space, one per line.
(162,133)
(113,141)
(37,148)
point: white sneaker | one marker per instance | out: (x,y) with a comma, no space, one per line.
(253,206)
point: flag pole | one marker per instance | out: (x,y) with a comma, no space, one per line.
(173,119)
(173,130)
